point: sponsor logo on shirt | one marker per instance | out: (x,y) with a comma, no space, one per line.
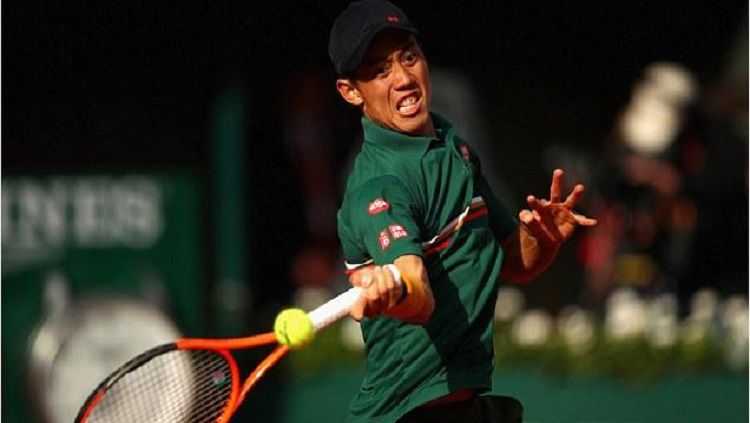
(464,150)
(397,231)
(378,205)
(384,239)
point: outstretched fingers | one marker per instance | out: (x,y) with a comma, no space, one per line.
(554,220)
(555,189)
(575,196)
(583,220)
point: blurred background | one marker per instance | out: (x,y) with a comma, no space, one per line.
(175,169)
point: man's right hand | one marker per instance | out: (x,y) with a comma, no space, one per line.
(411,301)
(380,291)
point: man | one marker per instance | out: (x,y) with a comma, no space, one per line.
(416,201)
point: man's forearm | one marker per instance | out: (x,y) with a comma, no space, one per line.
(525,257)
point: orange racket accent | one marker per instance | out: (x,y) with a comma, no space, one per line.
(221,346)
(232,401)
(259,371)
(93,404)
(226,344)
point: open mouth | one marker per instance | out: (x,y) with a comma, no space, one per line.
(410,105)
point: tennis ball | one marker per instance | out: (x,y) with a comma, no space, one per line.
(294,328)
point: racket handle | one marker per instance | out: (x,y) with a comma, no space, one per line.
(334,309)
(340,306)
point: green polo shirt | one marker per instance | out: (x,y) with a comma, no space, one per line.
(424,196)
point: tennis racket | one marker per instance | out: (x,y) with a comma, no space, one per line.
(192,380)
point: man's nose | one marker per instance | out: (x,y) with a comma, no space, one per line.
(404,77)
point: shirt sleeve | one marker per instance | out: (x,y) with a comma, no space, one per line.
(383,220)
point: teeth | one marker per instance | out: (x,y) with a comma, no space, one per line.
(407,102)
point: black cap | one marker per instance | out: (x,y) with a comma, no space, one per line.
(355,28)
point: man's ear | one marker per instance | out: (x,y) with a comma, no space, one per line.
(349,92)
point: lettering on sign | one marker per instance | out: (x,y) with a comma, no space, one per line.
(43,215)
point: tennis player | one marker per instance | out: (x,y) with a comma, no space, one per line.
(416,199)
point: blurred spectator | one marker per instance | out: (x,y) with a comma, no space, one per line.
(714,161)
(673,185)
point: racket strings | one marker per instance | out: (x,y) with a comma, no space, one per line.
(178,386)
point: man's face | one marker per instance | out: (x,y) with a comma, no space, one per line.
(392,84)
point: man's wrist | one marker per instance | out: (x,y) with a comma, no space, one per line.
(397,278)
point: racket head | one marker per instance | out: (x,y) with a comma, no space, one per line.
(167,384)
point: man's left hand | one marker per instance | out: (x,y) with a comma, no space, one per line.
(553,221)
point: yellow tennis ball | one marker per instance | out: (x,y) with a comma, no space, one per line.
(294,328)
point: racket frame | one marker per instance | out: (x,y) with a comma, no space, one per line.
(218,346)
(321,317)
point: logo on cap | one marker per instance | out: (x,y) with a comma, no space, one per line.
(392,19)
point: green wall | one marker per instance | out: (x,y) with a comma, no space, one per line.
(709,398)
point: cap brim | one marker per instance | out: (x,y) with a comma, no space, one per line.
(356,58)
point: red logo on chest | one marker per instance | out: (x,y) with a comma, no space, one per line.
(378,205)
(464,151)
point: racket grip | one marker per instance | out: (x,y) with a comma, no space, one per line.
(340,306)
(334,309)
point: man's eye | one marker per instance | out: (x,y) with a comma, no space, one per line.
(409,57)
